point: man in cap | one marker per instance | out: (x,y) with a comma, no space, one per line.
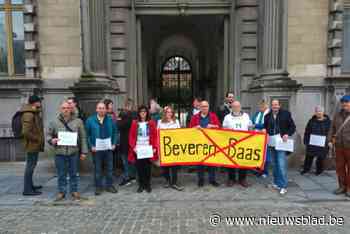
(340,139)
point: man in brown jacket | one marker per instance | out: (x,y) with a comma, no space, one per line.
(340,139)
(33,140)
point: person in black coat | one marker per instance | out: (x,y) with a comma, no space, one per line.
(278,123)
(194,110)
(225,108)
(124,124)
(318,125)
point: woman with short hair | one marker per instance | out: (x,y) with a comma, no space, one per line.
(317,128)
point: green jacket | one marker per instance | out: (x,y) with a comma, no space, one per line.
(32,129)
(74,124)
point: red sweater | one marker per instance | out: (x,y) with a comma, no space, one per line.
(153,140)
(213,119)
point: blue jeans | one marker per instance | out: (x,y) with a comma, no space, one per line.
(279,159)
(211,172)
(267,162)
(106,158)
(64,162)
(31,162)
(128,169)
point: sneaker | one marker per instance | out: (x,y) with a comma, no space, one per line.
(125,182)
(274,186)
(140,189)
(166,184)
(283,191)
(339,191)
(37,187)
(76,196)
(215,184)
(264,176)
(148,189)
(98,191)
(303,172)
(33,193)
(244,183)
(230,183)
(347,194)
(132,179)
(111,189)
(60,197)
(177,187)
(200,183)
(317,173)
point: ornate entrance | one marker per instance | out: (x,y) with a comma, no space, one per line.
(176,84)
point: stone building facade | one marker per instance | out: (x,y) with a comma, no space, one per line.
(295,50)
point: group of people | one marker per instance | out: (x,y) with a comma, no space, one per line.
(133,134)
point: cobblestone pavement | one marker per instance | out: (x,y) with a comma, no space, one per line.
(196,210)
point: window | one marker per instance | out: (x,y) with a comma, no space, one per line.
(176,84)
(12,61)
(346,41)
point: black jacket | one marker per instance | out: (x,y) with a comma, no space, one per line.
(124,125)
(189,117)
(283,124)
(317,127)
(222,112)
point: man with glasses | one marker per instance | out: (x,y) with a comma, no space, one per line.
(205,119)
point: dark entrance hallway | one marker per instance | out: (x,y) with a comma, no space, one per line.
(183,57)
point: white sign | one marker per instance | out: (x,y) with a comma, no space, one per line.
(103,144)
(273,139)
(285,146)
(67,139)
(317,140)
(144,151)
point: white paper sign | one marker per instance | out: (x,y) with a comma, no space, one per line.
(67,139)
(144,151)
(285,146)
(142,140)
(103,144)
(317,140)
(273,139)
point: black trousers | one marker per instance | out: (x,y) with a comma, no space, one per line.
(309,158)
(170,174)
(143,167)
(242,174)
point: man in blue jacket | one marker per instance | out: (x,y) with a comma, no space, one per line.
(102,139)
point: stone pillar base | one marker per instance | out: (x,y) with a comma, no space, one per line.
(89,90)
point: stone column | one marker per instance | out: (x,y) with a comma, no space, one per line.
(273,39)
(140,87)
(272,80)
(96,82)
(226,54)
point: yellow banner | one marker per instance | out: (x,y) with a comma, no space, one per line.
(212,147)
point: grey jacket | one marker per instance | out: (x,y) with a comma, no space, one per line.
(74,124)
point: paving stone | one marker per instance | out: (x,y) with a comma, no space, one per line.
(166,210)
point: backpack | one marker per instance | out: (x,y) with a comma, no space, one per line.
(16,124)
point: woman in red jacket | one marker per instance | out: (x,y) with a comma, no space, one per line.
(143,134)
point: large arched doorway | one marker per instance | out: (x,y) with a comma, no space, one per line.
(176,84)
